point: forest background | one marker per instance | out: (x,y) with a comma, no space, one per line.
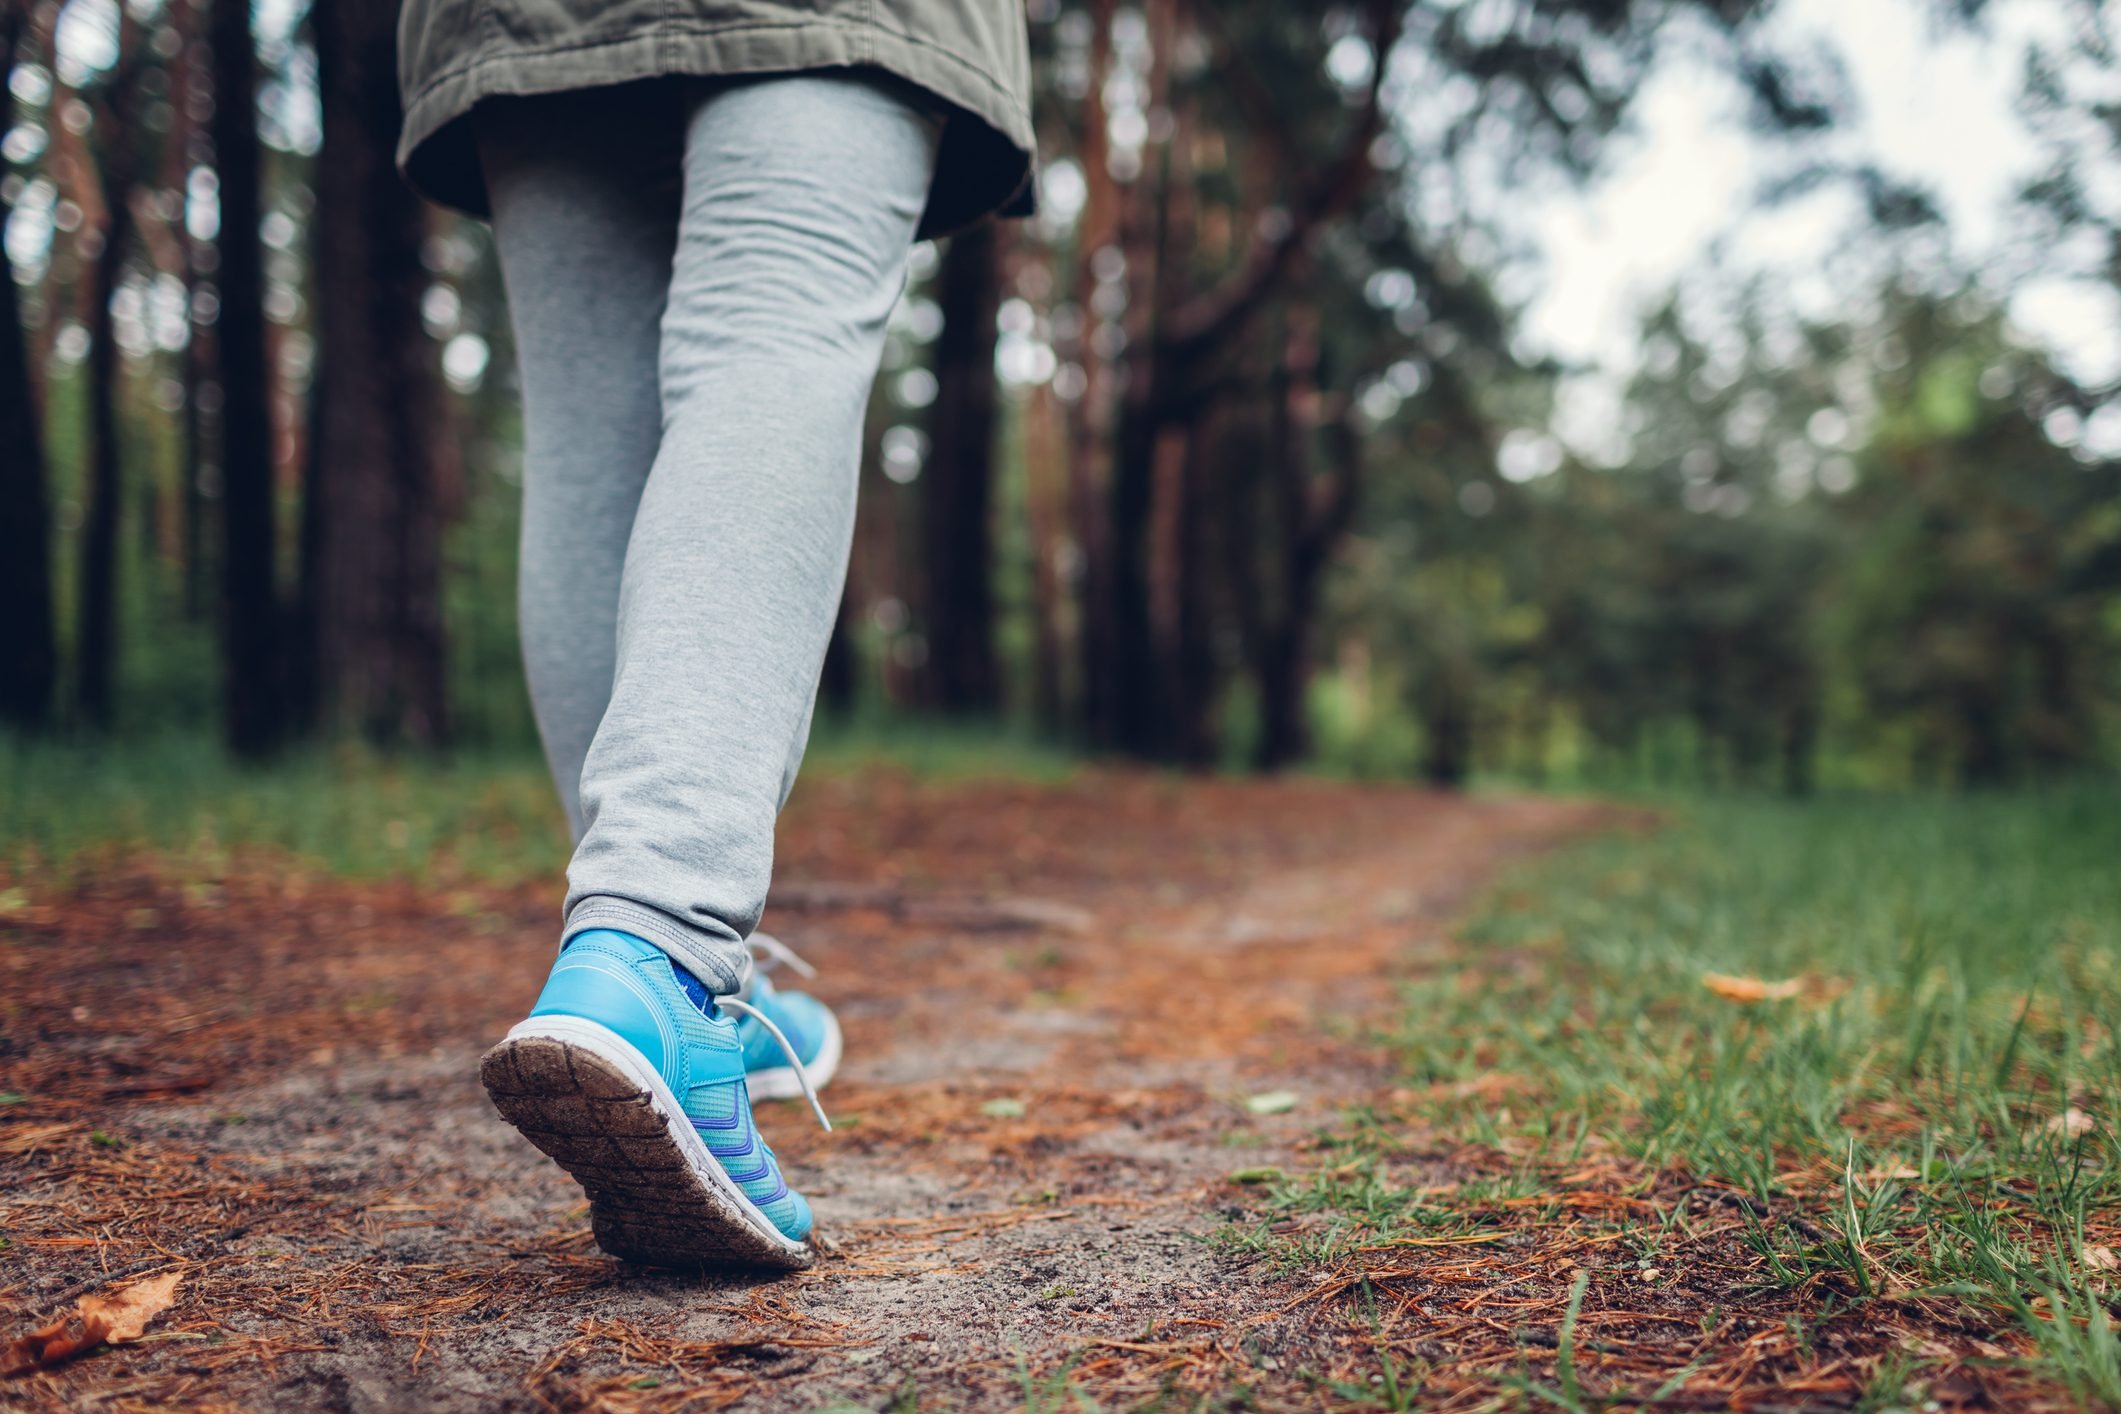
(1257,447)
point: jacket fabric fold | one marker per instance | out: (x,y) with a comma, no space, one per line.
(971,55)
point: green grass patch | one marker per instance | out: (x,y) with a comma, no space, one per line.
(934,750)
(1919,1107)
(71,807)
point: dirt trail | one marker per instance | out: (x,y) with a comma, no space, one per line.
(1057,999)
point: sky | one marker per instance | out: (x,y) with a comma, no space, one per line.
(1674,202)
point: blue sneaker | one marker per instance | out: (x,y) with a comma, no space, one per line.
(639,1093)
(812,1030)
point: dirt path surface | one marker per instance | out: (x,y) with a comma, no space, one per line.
(1058,1001)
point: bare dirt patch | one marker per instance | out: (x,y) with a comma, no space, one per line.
(1057,1002)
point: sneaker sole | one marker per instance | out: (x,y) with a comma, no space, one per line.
(779,1083)
(594,1105)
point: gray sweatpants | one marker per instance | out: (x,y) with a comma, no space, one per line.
(698,276)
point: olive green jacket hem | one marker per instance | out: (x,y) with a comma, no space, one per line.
(984,164)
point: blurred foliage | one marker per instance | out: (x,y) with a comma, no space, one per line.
(1865,550)
(1273,475)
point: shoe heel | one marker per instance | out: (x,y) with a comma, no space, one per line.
(648,1200)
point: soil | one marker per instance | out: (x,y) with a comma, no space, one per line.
(1059,1001)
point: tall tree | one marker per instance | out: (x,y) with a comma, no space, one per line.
(378,493)
(1181,335)
(1309,511)
(1242,150)
(957,492)
(254,688)
(29,662)
(116,141)
(1091,411)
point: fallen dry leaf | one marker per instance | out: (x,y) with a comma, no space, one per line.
(2101,1259)
(100,1318)
(1751,989)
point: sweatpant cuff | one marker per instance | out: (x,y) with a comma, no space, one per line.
(725,966)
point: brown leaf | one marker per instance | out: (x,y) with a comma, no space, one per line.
(47,1345)
(100,1318)
(128,1309)
(2101,1259)
(1751,989)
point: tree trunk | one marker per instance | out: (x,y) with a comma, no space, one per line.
(1283,730)
(1138,725)
(188,144)
(836,679)
(1447,725)
(1044,492)
(1194,681)
(957,490)
(96,637)
(1090,416)
(1135,728)
(1177,573)
(840,681)
(376,477)
(253,683)
(198,363)
(29,662)
(1312,510)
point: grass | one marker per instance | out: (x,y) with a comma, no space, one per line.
(1926,1117)
(66,807)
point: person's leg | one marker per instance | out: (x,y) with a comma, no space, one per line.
(801,196)
(585,215)
(632,1071)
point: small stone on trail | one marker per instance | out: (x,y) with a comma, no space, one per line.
(2071,1123)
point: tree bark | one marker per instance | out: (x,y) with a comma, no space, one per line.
(96,635)
(1090,416)
(841,685)
(187,144)
(1194,679)
(29,660)
(377,477)
(1044,493)
(1447,725)
(957,495)
(253,680)
(1137,724)
(1313,508)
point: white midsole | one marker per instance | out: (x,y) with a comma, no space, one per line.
(779,1082)
(626,1058)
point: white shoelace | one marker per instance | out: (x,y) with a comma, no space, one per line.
(772,952)
(802,1075)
